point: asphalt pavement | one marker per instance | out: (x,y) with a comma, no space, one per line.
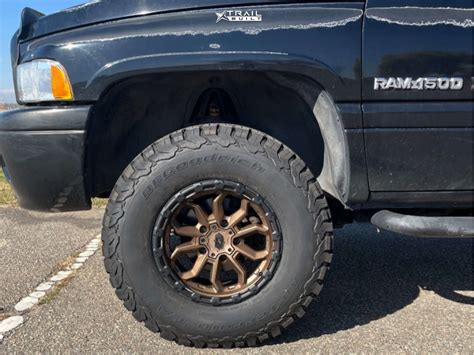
(384,293)
(33,245)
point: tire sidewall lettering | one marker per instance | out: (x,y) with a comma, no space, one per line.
(214,158)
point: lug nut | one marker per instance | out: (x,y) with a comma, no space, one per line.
(203,240)
(203,229)
(202,250)
(224,223)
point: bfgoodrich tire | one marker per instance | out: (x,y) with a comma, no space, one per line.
(218,236)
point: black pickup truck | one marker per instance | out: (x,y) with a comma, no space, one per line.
(232,136)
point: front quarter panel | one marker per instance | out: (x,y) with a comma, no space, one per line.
(320,41)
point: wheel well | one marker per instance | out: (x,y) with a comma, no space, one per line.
(136,112)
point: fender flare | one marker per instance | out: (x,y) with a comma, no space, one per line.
(263,61)
(335,175)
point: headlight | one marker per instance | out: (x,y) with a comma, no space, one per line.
(43,80)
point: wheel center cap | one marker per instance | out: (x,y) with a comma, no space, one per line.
(219,242)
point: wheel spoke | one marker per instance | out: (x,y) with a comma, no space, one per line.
(201,216)
(215,274)
(196,269)
(251,229)
(186,231)
(240,214)
(239,270)
(218,208)
(251,253)
(184,248)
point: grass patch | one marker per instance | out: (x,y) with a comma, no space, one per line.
(54,291)
(64,264)
(7,197)
(99,202)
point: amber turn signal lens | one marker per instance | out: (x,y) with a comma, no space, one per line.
(60,84)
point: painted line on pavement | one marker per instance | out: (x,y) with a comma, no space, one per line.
(14,321)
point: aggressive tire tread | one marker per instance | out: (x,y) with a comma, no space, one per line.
(193,138)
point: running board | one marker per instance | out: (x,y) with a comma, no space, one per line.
(420,226)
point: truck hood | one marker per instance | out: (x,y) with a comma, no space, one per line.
(35,24)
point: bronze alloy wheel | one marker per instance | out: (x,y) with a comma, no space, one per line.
(220,240)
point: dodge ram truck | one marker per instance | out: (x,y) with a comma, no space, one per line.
(232,136)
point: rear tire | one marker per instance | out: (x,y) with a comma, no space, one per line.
(241,163)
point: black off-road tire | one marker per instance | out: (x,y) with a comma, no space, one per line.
(247,157)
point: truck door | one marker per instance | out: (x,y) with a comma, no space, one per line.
(417,95)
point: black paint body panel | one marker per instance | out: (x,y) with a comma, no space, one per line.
(419,143)
(441,114)
(420,159)
(405,148)
(417,38)
(421,199)
(296,39)
(107,10)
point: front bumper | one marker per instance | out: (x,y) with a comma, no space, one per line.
(42,154)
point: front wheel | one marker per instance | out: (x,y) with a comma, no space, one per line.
(217,235)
